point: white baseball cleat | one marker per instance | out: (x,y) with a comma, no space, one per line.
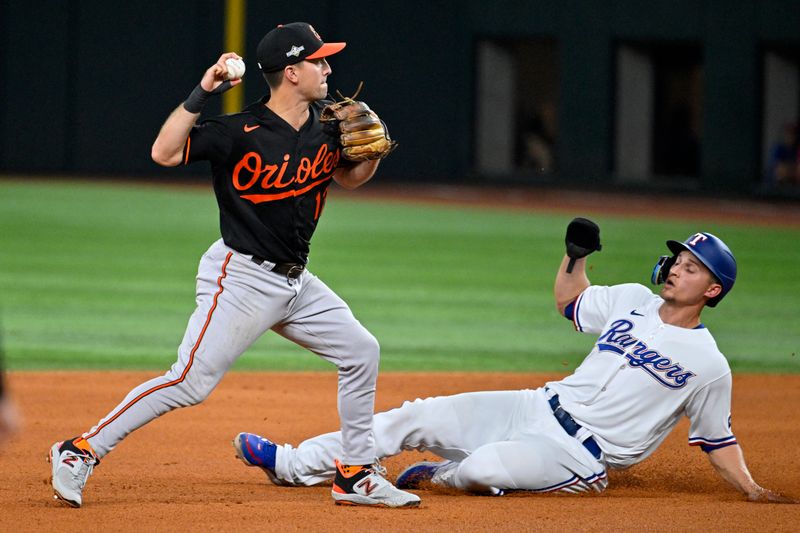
(71,468)
(366,485)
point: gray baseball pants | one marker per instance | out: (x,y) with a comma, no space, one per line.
(237,302)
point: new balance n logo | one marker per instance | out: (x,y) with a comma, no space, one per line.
(367,485)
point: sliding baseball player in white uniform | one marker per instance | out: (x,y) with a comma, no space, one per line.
(654,362)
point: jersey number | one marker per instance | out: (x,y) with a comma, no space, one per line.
(320,203)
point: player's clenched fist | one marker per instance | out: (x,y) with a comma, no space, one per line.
(583,238)
(221,76)
(229,67)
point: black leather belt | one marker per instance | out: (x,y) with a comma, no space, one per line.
(290,270)
(572,427)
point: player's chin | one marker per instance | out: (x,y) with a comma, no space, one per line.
(322,92)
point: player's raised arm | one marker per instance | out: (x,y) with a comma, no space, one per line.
(583,238)
(168,147)
(729,462)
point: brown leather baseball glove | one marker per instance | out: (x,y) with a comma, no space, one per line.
(362,134)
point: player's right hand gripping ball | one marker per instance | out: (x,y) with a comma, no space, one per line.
(583,238)
(362,134)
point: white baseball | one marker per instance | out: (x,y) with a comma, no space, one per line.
(235,68)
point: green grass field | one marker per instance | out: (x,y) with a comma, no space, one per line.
(101,276)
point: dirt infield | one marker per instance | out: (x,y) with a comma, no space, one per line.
(179,473)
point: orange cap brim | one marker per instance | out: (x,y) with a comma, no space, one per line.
(327,49)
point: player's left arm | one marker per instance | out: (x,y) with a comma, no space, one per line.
(353,176)
(729,462)
(709,409)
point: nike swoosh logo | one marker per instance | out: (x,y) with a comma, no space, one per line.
(248,129)
(634,313)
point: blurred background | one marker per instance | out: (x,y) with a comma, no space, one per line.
(661,95)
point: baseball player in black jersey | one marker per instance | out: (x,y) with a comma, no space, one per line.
(272,165)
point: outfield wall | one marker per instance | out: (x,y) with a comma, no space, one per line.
(86,84)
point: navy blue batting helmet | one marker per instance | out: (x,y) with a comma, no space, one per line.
(712,252)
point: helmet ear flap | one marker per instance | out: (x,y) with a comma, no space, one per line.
(661,270)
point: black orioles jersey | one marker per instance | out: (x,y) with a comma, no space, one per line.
(270,180)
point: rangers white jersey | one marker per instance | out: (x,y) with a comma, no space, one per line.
(642,375)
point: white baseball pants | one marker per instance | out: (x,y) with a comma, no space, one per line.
(506,440)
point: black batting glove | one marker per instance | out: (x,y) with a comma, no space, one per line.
(583,238)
